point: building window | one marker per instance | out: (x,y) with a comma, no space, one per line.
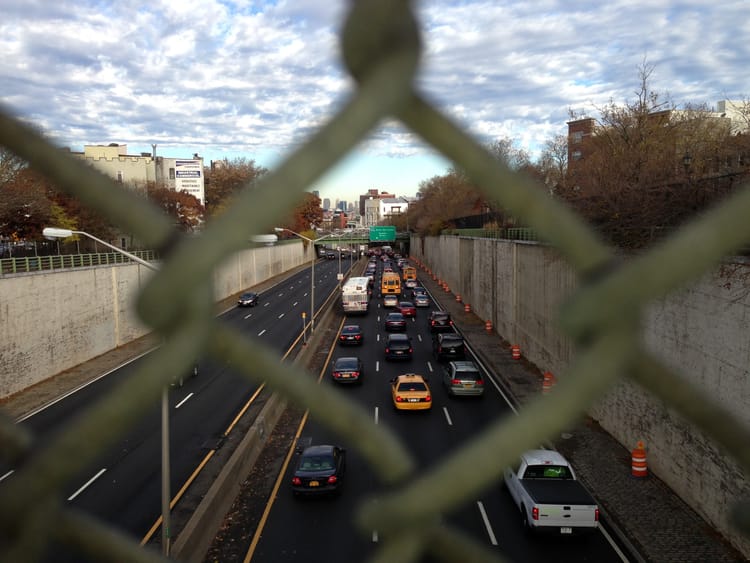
(171,173)
(119,176)
(577,136)
(576,155)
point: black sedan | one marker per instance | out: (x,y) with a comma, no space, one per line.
(398,347)
(440,321)
(248,299)
(395,322)
(319,470)
(347,370)
(351,334)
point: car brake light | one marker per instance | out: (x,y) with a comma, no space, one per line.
(428,399)
(296,481)
(399,398)
(535,513)
(480,382)
(336,374)
(332,480)
(355,374)
(440,349)
(450,323)
(358,337)
(596,514)
(410,350)
(387,350)
(455,382)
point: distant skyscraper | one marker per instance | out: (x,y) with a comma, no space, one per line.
(326,203)
(341,204)
(316,193)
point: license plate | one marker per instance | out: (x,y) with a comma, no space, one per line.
(468,385)
(314,483)
(413,400)
(345,375)
(398,352)
(566,530)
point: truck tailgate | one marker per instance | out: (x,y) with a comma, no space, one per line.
(563,504)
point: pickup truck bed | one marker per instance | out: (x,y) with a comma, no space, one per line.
(557,491)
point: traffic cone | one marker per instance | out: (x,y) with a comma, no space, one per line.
(639,468)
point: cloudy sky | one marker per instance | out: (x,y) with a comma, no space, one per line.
(251,78)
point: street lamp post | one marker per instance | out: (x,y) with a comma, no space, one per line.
(55,233)
(312,274)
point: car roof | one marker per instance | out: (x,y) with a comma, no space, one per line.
(440,314)
(543,457)
(464,366)
(399,336)
(405,303)
(395,314)
(449,336)
(321,449)
(409,377)
(347,359)
(351,327)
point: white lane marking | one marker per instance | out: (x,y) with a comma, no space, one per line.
(374,536)
(305,295)
(378,338)
(419,337)
(248,316)
(447,416)
(185,400)
(8,474)
(377,366)
(266,304)
(376,415)
(616,549)
(281,315)
(280,294)
(94,478)
(261,332)
(487,524)
(429,366)
(295,304)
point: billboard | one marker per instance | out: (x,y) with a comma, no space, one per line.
(188,176)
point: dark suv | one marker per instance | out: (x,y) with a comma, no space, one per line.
(440,321)
(398,347)
(448,346)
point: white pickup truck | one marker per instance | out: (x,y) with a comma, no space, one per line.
(544,487)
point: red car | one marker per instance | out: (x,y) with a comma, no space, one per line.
(407,309)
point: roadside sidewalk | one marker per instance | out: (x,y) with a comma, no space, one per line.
(643,511)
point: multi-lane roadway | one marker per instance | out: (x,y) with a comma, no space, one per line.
(323,529)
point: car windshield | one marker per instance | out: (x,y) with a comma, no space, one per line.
(395,316)
(346,363)
(547,472)
(468,375)
(351,329)
(316,463)
(412,386)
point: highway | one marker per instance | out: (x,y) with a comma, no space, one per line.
(305,529)
(123,487)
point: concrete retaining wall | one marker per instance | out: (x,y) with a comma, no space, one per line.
(701,332)
(52,321)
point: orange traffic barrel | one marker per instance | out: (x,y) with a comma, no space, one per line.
(446,288)
(548,382)
(515,351)
(467,308)
(458,298)
(488,326)
(639,468)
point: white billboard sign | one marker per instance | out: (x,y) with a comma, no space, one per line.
(188,176)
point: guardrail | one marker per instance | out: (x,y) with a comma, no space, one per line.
(28,264)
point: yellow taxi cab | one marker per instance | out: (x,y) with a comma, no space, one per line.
(410,391)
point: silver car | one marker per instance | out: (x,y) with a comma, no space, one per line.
(463,378)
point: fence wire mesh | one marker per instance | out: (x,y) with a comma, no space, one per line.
(381,48)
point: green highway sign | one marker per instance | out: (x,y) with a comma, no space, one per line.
(383,234)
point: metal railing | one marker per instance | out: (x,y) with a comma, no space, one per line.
(28,264)
(381,49)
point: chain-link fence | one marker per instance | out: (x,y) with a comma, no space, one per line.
(381,48)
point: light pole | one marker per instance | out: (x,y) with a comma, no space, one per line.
(312,274)
(55,233)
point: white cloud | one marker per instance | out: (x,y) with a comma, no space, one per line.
(255,77)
